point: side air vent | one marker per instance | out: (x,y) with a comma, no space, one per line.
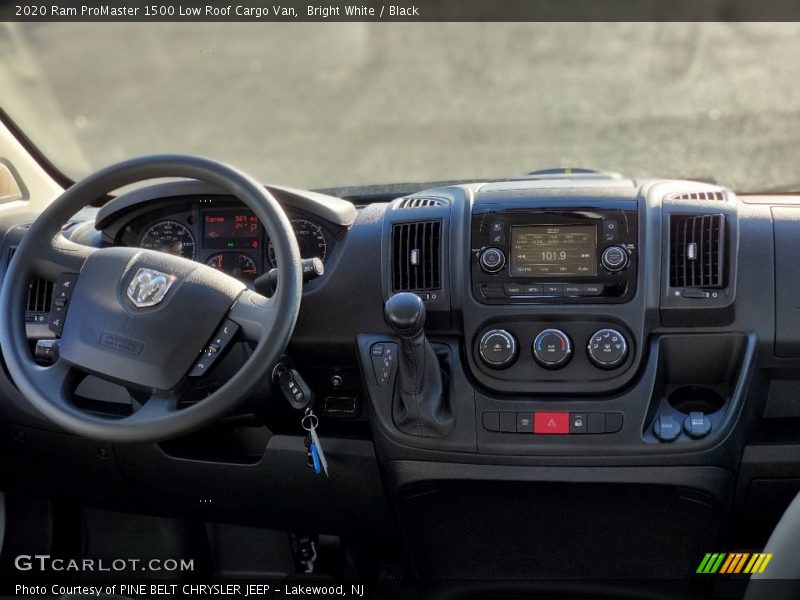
(419,203)
(40,295)
(9,188)
(708,195)
(697,251)
(416,262)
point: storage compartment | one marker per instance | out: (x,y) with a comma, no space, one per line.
(555,529)
(695,398)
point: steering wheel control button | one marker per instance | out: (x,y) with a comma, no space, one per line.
(697,425)
(614,258)
(578,422)
(492,260)
(666,428)
(524,422)
(552,349)
(384,361)
(46,351)
(62,292)
(607,348)
(498,348)
(551,422)
(219,341)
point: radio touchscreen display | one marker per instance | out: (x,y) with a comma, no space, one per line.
(549,250)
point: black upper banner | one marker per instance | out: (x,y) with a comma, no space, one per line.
(402,10)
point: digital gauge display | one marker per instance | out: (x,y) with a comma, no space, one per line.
(539,250)
(231,229)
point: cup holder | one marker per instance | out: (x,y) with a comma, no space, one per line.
(695,398)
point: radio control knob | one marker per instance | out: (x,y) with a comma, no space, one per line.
(492,260)
(607,348)
(498,348)
(614,258)
(552,349)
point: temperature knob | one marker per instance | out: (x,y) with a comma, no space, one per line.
(607,348)
(492,260)
(552,349)
(614,258)
(498,348)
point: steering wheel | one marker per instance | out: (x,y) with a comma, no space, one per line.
(145,319)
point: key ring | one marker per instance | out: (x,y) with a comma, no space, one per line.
(311,419)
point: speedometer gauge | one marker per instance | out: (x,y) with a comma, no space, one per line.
(310,239)
(170,237)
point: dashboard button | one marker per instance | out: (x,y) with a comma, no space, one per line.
(578,422)
(533,289)
(573,289)
(592,289)
(497,227)
(492,260)
(597,423)
(614,258)
(553,289)
(513,289)
(607,348)
(498,239)
(491,421)
(498,348)
(508,422)
(551,422)
(524,422)
(552,349)
(613,422)
(610,230)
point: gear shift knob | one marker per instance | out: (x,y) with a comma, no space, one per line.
(405,312)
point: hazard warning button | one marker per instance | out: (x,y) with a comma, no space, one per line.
(551,422)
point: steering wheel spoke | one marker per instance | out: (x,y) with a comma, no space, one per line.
(59,255)
(60,379)
(159,405)
(254,314)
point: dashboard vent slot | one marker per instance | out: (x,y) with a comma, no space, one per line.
(709,195)
(419,203)
(416,262)
(697,251)
(40,292)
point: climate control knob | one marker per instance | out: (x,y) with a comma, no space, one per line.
(614,258)
(552,349)
(492,260)
(498,348)
(607,348)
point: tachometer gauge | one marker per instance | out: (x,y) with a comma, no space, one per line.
(310,239)
(170,237)
(236,264)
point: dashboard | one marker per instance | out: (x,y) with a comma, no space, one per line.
(218,231)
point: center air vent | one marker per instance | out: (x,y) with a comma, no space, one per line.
(710,195)
(416,263)
(697,251)
(419,203)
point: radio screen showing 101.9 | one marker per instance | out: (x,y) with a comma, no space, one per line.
(547,250)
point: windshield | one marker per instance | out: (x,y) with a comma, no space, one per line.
(325,104)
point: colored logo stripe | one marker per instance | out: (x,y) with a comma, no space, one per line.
(734,563)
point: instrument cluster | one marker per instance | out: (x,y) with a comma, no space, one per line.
(222,234)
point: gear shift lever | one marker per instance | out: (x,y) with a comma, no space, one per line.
(420,406)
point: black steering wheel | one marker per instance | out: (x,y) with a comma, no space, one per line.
(144,319)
